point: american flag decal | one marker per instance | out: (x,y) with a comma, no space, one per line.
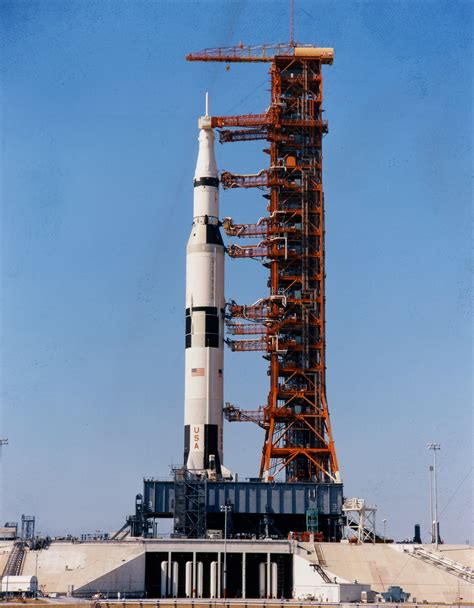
(197,371)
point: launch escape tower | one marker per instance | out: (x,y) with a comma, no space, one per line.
(299,479)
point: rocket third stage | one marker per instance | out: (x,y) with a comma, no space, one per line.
(204,360)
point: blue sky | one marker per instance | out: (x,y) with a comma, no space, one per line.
(99,122)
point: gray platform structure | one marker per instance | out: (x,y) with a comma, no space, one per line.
(257,509)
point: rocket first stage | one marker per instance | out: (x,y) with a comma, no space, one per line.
(204,359)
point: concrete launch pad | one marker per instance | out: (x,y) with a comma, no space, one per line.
(133,568)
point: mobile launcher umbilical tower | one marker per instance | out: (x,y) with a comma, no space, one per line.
(299,486)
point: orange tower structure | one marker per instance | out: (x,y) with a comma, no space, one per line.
(288,324)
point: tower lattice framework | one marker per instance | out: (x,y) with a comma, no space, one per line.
(288,324)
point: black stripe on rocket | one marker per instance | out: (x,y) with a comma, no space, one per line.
(206,181)
(213,234)
(211,325)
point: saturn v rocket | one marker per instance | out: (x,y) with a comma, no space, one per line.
(204,358)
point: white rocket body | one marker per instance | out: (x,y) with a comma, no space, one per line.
(204,359)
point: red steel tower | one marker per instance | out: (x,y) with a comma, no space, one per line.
(288,324)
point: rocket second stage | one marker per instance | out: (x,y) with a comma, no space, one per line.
(204,360)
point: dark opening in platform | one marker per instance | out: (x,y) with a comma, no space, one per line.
(236,572)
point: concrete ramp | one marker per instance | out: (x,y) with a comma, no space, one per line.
(129,577)
(88,566)
(383,565)
(5,550)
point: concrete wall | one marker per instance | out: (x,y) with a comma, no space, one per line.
(351,592)
(335,592)
(307,583)
(128,578)
(306,579)
(88,567)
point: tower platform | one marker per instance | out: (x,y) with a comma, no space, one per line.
(254,508)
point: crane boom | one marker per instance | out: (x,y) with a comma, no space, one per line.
(262,53)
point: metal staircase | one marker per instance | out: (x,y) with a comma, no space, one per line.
(321,572)
(321,561)
(440,561)
(14,564)
(314,554)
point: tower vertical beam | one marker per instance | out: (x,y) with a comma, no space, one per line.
(298,435)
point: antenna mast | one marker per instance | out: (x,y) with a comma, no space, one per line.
(292,23)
